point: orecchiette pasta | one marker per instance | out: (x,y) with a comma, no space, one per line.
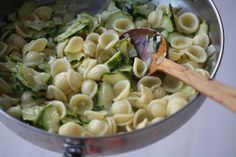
(201,40)
(89,88)
(155,18)
(123,119)
(74,80)
(151,82)
(55,93)
(157,108)
(139,68)
(196,54)
(172,85)
(32,59)
(71,129)
(61,108)
(60,48)
(181,42)
(95,115)
(96,72)
(60,81)
(38,45)
(44,13)
(80,103)
(142,24)
(145,98)
(175,54)
(122,25)
(98,127)
(139,116)
(189,23)
(27,100)
(165,8)
(108,39)
(112,128)
(175,105)
(159,92)
(121,89)
(59,66)
(93,37)
(75,45)
(90,48)
(16,40)
(121,107)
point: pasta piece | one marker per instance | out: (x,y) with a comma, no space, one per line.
(5,87)
(33,59)
(123,119)
(108,39)
(201,40)
(80,103)
(203,72)
(16,40)
(189,23)
(139,116)
(22,31)
(121,107)
(112,128)
(95,115)
(175,105)
(129,128)
(71,129)
(86,66)
(156,120)
(104,55)
(61,108)
(188,92)
(96,72)
(146,97)
(122,25)
(172,85)
(164,8)
(89,87)
(196,54)
(74,80)
(121,89)
(90,48)
(98,127)
(106,95)
(159,93)
(93,37)
(157,108)
(3,48)
(101,30)
(59,66)
(139,68)
(143,124)
(181,42)
(55,93)
(60,48)
(75,45)
(44,13)
(38,45)
(27,100)
(151,82)
(142,24)
(155,18)
(60,81)
(175,55)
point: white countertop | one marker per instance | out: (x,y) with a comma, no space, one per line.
(211,132)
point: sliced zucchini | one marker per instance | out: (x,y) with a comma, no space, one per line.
(165,34)
(110,21)
(113,78)
(116,60)
(203,28)
(167,24)
(50,119)
(31,114)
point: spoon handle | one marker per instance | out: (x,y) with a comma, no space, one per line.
(217,91)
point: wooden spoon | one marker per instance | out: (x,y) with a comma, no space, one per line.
(218,91)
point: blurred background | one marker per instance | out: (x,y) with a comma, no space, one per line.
(211,132)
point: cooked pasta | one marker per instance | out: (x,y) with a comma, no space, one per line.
(73,75)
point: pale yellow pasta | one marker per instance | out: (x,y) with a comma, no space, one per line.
(104,55)
(16,40)
(175,54)
(98,127)
(171,84)
(156,120)
(112,128)
(100,30)
(193,64)
(123,119)
(32,59)
(145,98)
(155,18)
(71,129)
(95,115)
(74,80)
(139,116)
(139,68)
(121,107)
(196,54)
(75,45)
(142,124)
(157,108)
(175,105)
(108,39)
(60,81)
(201,40)
(27,100)
(44,13)
(60,106)
(122,25)
(159,92)
(90,48)
(189,23)
(203,72)
(93,37)
(80,103)
(96,72)
(151,82)
(55,93)
(164,8)
(181,42)
(188,92)
(121,89)
(38,45)
(22,31)
(59,66)
(86,66)
(60,48)
(142,24)
(89,87)
(3,48)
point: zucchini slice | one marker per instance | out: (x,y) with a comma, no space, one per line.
(116,60)
(113,78)
(167,24)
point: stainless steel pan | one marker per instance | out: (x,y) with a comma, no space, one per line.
(137,139)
